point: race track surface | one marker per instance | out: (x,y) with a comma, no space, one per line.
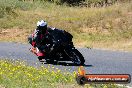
(97,61)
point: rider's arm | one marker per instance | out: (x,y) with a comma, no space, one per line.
(36,38)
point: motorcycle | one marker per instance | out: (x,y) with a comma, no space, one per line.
(61,49)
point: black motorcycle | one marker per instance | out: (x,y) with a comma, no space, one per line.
(63,48)
(60,48)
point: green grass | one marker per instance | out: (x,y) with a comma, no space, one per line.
(14,74)
(89,26)
(18,74)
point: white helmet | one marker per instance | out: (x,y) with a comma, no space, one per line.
(41,23)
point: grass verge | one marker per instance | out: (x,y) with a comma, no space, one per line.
(16,74)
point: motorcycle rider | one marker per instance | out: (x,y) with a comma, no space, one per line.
(41,40)
(47,41)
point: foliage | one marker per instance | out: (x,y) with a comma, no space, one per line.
(14,74)
(18,74)
(7,7)
(86,3)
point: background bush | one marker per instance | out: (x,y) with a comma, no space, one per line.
(7,7)
(86,3)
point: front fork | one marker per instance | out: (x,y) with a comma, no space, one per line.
(68,50)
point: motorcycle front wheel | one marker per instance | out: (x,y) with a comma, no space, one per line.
(76,57)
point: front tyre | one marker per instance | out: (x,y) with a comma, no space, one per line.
(77,57)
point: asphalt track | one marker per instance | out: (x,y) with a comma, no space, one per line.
(97,61)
